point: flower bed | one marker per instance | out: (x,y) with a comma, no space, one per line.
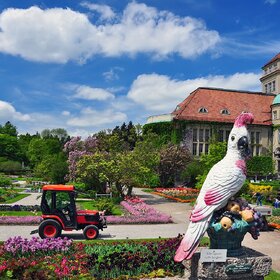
(139,213)
(179,194)
(62,259)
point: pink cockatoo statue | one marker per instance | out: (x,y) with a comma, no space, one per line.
(223,181)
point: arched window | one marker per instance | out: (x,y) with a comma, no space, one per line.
(225,112)
(203,110)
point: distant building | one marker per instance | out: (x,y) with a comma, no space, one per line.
(211,111)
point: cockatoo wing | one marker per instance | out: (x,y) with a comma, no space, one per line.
(217,189)
(214,194)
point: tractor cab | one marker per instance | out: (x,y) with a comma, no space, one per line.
(59,213)
(60,201)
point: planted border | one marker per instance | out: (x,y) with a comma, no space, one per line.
(139,213)
(177,194)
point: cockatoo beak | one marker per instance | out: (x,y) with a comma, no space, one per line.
(243,147)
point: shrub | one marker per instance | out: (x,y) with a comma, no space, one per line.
(105,204)
(260,189)
(5,182)
(276,212)
(133,258)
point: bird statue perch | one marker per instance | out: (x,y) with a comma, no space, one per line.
(223,181)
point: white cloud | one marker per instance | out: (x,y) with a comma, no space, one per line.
(94,118)
(112,74)
(89,93)
(159,93)
(271,2)
(105,10)
(59,35)
(65,113)
(9,113)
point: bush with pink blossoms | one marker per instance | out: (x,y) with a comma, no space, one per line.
(22,220)
(140,213)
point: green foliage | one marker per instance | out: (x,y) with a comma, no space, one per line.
(10,166)
(165,130)
(260,165)
(132,259)
(8,129)
(111,205)
(9,147)
(273,275)
(191,173)
(106,204)
(52,168)
(5,182)
(276,212)
(244,189)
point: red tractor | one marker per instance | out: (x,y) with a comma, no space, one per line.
(59,213)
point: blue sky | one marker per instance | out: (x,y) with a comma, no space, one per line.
(91,65)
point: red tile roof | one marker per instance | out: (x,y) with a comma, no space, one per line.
(276,57)
(215,100)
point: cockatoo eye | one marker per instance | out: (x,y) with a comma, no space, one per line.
(232,138)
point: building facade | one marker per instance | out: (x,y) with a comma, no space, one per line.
(209,112)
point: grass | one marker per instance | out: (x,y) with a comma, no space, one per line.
(273,275)
(19,213)
(90,205)
(15,199)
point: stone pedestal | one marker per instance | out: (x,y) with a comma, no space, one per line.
(251,265)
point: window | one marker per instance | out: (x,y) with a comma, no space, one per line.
(221,136)
(201,138)
(252,137)
(269,87)
(274,115)
(258,137)
(265,88)
(194,149)
(273,86)
(200,148)
(225,112)
(227,134)
(257,150)
(279,136)
(206,148)
(207,135)
(194,135)
(275,66)
(203,110)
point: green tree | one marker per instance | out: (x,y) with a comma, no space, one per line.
(260,166)
(37,149)
(9,129)
(9,147)
(53,168)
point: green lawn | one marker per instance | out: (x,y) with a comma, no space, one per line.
(16,198)
(273,275)
(93,205)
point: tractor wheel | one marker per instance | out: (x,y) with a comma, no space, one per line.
(91,232)
(50,229)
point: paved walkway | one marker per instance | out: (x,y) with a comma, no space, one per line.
(30,200)
(268,243)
